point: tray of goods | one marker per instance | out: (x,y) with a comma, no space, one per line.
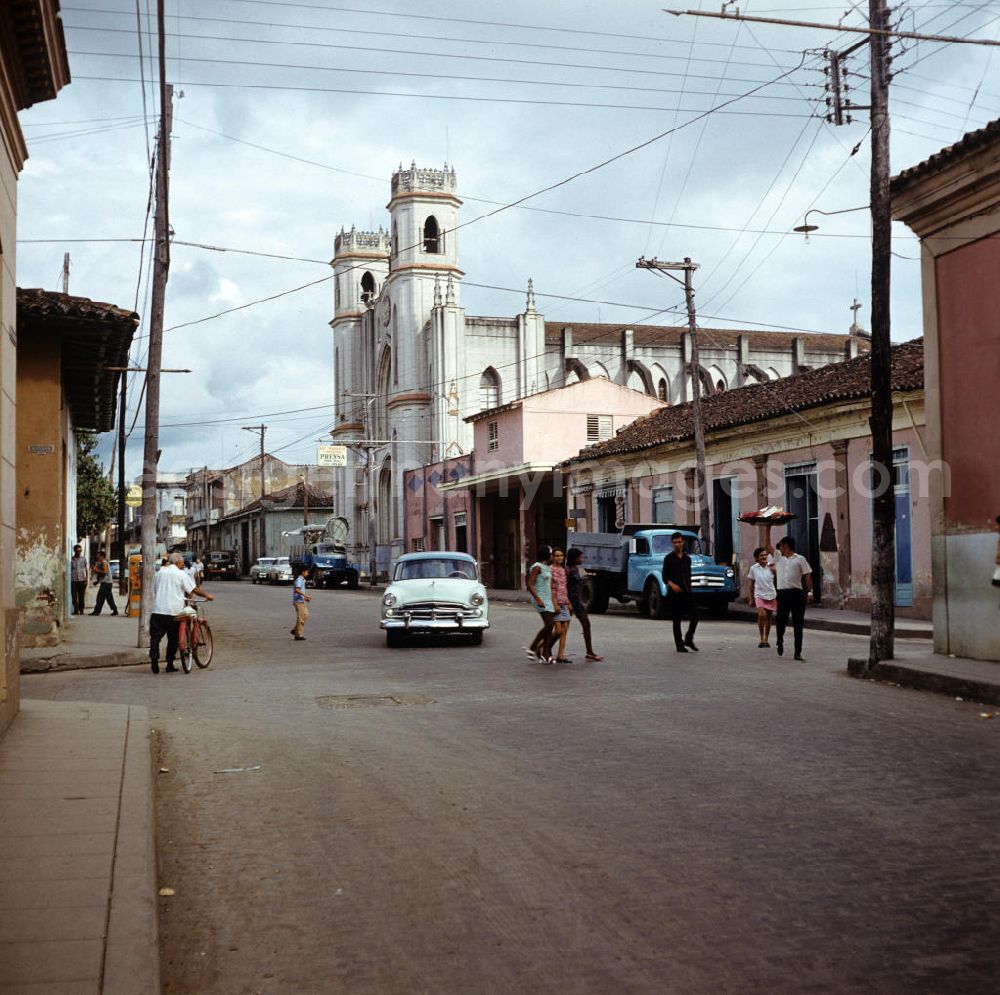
(772,515)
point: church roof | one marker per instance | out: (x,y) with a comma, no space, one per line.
(670,335)
(844,381)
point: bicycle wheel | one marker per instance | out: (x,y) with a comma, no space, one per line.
(184,650)
(203,645)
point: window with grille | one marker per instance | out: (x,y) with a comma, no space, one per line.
(493,436)
(598,428)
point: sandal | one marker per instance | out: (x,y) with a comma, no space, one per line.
(563,659)
(594,656)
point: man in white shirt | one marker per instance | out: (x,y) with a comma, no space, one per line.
(170,590)
(794,578)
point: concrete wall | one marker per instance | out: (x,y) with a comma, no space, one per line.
(10,666)
(42,455)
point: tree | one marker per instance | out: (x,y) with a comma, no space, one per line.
(96,500)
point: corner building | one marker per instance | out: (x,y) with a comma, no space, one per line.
(410,365)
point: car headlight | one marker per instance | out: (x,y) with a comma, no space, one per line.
(476,599)
(730,573)
(388,599)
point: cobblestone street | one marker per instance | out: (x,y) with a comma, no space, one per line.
(454,819)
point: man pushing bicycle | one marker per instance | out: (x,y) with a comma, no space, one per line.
(173,585)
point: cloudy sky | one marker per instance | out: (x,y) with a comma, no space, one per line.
(289,119)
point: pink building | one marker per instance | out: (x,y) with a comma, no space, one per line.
(802,443)
(506,497)
(952,201)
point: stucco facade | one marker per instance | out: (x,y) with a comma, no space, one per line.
(33,68)
(952,202)
(812,459)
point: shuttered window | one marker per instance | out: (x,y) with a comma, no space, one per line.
(598,428)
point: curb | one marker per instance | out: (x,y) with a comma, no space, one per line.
(68,661)
(834,625)
(926,680)
(132,959)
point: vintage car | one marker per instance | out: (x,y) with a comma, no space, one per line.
(280,571)
(434,593)
(258,572)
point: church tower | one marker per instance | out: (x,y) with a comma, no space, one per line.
(424,250)
(360,267)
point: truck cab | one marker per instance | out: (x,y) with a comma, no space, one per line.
(712,584)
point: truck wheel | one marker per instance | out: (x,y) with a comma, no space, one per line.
(656,601)
(352,580)
(594,594)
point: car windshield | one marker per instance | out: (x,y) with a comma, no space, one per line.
(438,566)
(264,562)
(327,549)
(663,545)
(218,556)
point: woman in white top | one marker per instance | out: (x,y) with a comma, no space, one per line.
(763,593)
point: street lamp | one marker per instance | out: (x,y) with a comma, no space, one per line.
(805,228)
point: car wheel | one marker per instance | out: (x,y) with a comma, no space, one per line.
(477,637)
(352,580)
(393,638)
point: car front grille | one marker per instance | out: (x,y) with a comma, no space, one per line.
(436,609)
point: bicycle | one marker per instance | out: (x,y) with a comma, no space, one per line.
(194,638)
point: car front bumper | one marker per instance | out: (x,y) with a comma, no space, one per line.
(403,621)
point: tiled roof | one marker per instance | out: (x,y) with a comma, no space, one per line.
(290,497)
(971,142)
(94,336)
(849,380)
(665,335)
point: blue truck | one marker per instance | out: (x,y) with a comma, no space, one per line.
(327,562)
(628,566)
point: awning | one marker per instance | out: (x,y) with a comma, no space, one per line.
(481,481)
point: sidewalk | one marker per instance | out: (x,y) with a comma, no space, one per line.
(920,667)
(828,619)
(89,641)
(78,900)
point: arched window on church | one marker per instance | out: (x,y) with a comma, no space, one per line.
(661,390)
(432,235)
(367,288)
(489,389)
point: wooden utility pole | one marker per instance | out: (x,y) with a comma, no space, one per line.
(699,430)
(65,272)
(883,489)
(161,267)
(120,544)
(261,429)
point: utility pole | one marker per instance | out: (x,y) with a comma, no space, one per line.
(120,544)
(161,267)
(66,284)
(699,432)
(369,449)
(883,485)
(261,429)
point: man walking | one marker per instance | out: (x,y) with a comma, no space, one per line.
(170,589)
(102,574)
(677,573)
(794,575)
(299,599)
(78,580)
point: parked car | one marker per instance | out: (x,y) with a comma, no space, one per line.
(434,593)
(258,572)
(280,571)
(221,564)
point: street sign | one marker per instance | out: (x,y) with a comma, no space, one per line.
(331,456)
(133,496)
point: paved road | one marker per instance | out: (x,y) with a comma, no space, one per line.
(448,819)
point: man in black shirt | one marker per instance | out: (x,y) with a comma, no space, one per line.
(677,574)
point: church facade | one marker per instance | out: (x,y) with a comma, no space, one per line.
(410,365)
